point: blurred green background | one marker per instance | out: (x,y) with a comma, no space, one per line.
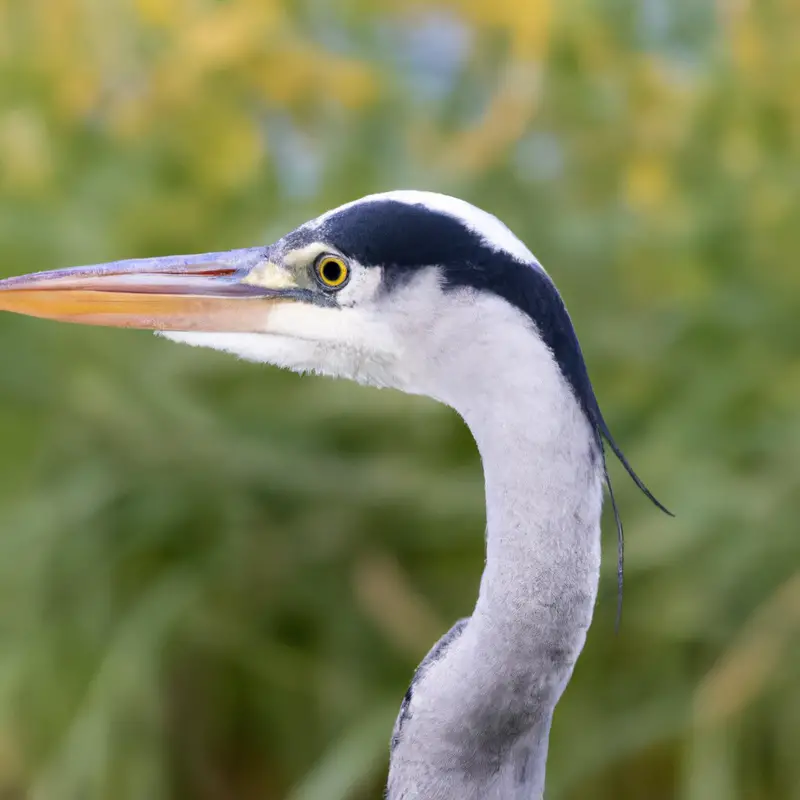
(215,578)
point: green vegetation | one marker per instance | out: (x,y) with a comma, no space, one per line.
(215,578)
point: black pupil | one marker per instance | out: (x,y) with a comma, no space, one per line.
(332,271)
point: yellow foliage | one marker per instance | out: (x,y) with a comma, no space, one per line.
(646,182)
(58,37)
(228,37)
(748,47)
(77,92)
(27,161)
(231,156)
(295,71)
(162,13)
(664,105)
(286,75)
(352,84)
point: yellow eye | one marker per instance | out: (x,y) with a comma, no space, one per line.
(331,271)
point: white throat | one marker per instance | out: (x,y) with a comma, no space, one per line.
(477,721)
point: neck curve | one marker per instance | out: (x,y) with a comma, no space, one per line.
(476,720)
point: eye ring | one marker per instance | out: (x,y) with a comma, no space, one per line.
(331,271)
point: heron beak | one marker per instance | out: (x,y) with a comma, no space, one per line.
(213,292)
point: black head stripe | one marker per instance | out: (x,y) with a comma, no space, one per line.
(400,237)
(403,237)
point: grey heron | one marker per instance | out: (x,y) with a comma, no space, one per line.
(430,295)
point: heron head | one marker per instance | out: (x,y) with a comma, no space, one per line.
(412,290)
(388,290)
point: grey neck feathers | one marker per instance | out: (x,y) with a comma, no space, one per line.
(477,717)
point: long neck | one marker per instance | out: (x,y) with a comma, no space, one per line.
(477,717)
